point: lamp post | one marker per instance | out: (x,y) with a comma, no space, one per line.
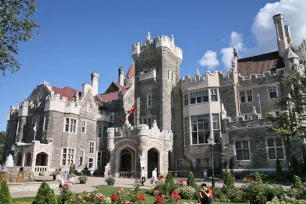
(211,143)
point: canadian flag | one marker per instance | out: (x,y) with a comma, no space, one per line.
(129,113)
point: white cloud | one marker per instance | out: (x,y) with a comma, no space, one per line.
(236,41)
(209,60)
(263,29)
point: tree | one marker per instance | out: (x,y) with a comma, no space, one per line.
(45,195)
(169,179)
(190,179)
(5,196)
(16,26)
(2,139)
(291,122)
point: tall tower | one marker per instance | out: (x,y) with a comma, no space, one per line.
(281,34)
(157,69)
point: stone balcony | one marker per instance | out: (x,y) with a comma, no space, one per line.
(147,77)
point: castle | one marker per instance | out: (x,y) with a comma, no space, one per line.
(153,118)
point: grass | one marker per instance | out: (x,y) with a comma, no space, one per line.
(108,190)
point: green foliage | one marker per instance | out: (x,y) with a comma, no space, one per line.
(228,180)
(231,165)
(110,180)
(190,179)
(296,182)
(186,192)
(166,188)
(5,196)
(83,179)
(2,140)
(169,179)
(15,26)
(45,195)
(261,193)
(66,195)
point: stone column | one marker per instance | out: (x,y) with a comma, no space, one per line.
(110,148)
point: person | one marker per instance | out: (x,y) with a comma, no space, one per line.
(91,172)
(205,195)
(154,177)
(143,177)
(66,176)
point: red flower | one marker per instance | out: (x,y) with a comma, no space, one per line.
(141,197)
(156,192)
(175,195)
(114,197)
(180,181)
(159,199)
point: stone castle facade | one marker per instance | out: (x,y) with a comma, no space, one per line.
(171,119)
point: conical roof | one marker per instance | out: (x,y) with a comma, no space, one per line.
(131,72)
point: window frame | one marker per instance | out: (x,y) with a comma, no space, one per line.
(275,148)
(179,163)
(94,147)
(242,96)
(69,125)
(83,122)
(214,92)
(93,162)
(203,131)
(241,149)
(100,130)
(276,92)
(46,122)
(186,99)
(249,94)
(149,100)
(82,157)
(67,157)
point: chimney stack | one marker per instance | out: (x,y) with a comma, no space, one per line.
(95,82)
(121,76)
(280,34)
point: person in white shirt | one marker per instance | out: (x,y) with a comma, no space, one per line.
(154,177)
(143,177)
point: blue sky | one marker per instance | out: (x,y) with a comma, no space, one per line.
(78,37)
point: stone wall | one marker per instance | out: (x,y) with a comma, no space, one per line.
(30,187)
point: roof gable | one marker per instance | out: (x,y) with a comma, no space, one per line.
(65,92)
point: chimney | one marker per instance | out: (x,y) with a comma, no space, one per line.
(280,34)
(288,34)
(121,76)
(94,82)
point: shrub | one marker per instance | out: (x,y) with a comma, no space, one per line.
(186,192)
(296,182)
(5,196)
(261,193)
(85,170)
(83,179)
(110,180)
(45,195)
(169,179)
(66,195)
(228,180)
(297,189)
(166,188)
(190,180)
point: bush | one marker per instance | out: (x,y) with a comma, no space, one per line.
(297,183)
(166,188)
(261,193)
(190,180)
(66,195)
(45,195)
(186,192)
(83,179)
(5,196)
(110,180)
(229,180)
(169,179)
(297,189)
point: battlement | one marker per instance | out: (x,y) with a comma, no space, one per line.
(261,75)
(54,102)
(255,121)
(300,48)
(160,41)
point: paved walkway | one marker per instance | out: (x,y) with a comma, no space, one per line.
(93,182)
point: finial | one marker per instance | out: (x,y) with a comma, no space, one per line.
(197,72)
(235,52)
(148,36)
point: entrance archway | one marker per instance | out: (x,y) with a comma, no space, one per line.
(125,160)
(19,159)
(28,159)
(42,159)
(153,161)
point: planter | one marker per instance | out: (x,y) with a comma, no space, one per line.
(82,182)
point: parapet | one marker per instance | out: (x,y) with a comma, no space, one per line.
(261,75)
(160,41)
(255,121)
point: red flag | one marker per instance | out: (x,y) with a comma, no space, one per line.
(129,113)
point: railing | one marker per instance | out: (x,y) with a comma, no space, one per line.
(126,174)
(40,169)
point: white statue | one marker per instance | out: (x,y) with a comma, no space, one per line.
(9,161)
(254,110)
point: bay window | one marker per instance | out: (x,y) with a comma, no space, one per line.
(200,129)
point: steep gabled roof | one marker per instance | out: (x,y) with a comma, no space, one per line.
(65,92)
(112,92)
(259,64)
(131,72)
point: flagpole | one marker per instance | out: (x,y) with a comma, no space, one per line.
(258,96)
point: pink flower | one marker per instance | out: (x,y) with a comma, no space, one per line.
(119,192)
(88,194)
(101,197)
(156,192)
(163,195)
(80,197)
(122,190)
(127,202)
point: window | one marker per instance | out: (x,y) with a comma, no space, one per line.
(70,125)
(35,122)
(197,97)
(242,150)
(275,149)
(82,156)
(149,100)
(17,129)
(216,127)
(187,132)
(46,121)
(186,99)
(205,95)
(100,131)
(250,96)
(83,126)
(105,131)
(92,147)
(99,159)
(179,163)
(200,129)
(272,92)
(104,158)
(90,163)
(202,162)
(213,94)
(67,156)
(242,96)
(192,98)
(149,122)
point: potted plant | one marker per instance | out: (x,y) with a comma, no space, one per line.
(110,181)
(83,179)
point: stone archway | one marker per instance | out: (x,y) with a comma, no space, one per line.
(28,159)
(19,159)
(125,160)
(153,161)
(42,159)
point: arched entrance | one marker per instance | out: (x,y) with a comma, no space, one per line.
(126,160)
(42,159)
(153,161)
(28,159)
(19,159)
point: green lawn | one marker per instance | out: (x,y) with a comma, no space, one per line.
(108,190)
